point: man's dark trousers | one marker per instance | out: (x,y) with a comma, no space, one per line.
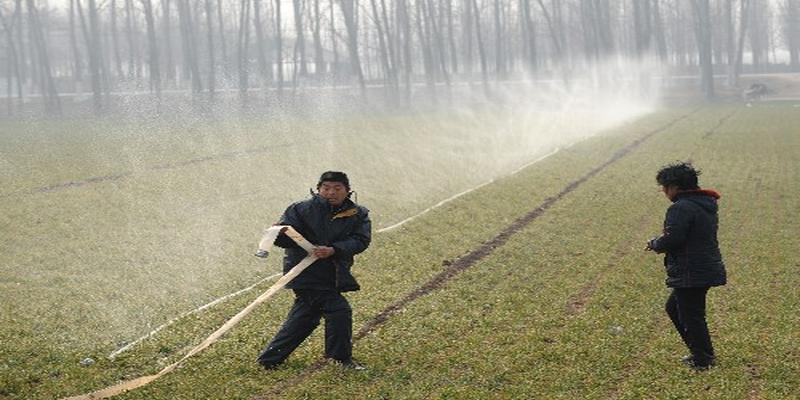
(309,306)
(686,308)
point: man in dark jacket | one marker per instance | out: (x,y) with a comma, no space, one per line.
(339,229)
(693,260)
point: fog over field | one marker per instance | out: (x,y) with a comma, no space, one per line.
(146,145)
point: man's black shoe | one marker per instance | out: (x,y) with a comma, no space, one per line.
(696,365)
(349,364)
(269,367)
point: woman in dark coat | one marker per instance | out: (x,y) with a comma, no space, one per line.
(692,258)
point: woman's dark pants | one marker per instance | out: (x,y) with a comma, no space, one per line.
(686,308)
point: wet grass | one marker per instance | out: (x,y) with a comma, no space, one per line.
(569,307)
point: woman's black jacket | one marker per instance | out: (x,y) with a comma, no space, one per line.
(690,242)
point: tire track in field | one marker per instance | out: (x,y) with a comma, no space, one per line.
(464,262)
(716,127)
(159,167)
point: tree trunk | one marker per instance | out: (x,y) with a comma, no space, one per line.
(791,31)
(405,27)
(212,65)
(391,40)
(554,35)
(279,44)
(335,67)
(223,43)
(300,40)
(189,45)
(73,42)
(114,38)
(440,47)
(528,36)
(13,65)
(155,66)
(703,35)
(241,49)
(169,63)
(22,58)
(384,52)
(263,70)
(737,64)
(423,35)
(133,44)
(481,50)
(351,24)
(319,53)
(49,92)
(499,46)
(467,35)
(92,39)
(451,36)
(658,30)
(642,27)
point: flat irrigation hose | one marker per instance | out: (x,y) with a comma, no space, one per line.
(264,246)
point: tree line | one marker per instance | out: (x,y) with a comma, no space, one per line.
(207,47)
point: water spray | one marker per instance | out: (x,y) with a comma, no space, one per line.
(264,247)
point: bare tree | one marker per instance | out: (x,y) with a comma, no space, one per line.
(642,26)
(73,42)
(169,63)
(384,52)
(659,31)
(134,65)
(212,66)
(499,45)
(316,32)
(702,15)
(348,11)
(528,36)
(300,41)
(189,45)
(279,44)
(152,44)
(52,102)
(759,32)
(451,36)
(13,64)
(114,36)
(481,50)
(791,31)
(226,70)
(264,70)
(242,45)
(404,22)
(92,38)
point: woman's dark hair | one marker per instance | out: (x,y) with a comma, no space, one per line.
(681,174)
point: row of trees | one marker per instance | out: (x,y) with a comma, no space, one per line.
(206,46)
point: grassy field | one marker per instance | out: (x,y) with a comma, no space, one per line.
(569,307)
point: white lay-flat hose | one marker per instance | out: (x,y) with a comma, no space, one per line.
(264,245)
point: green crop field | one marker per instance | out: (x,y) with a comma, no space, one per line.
(110,231)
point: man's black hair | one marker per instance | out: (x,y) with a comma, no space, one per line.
(681,174)
(334,176)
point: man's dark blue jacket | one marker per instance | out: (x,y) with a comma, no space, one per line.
(690,242)
(346,228)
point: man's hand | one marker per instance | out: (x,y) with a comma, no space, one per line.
(649,246)
(323,251)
